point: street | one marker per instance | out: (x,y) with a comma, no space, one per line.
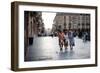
(47,48)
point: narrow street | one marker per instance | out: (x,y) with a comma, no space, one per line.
(47,48)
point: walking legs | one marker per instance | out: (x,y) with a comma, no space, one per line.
(60,44)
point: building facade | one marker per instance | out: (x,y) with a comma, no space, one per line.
(71,21)
(33,25)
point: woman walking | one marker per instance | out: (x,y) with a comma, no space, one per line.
(66,40)
(61,39)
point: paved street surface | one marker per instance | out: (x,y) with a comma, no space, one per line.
(47,48)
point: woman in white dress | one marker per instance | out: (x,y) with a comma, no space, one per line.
(66,40)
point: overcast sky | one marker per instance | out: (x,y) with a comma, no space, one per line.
(48,19)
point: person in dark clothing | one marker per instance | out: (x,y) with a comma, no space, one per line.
(71,39)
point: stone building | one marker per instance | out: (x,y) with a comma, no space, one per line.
(72,21)
(33,22)
(33,25)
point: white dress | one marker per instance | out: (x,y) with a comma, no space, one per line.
(66,37)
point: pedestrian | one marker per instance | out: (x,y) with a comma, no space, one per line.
(61,39)
(66,40)
(71,39)
(52,34)
(85,36)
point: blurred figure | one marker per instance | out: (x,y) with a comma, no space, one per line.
(52,34)
(66,40)
(61,39)
(71,39)
(85,36)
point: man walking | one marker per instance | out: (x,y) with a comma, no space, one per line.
(71,39)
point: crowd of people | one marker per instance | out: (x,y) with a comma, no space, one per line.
(66,38)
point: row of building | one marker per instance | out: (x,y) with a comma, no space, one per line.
(74,21)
